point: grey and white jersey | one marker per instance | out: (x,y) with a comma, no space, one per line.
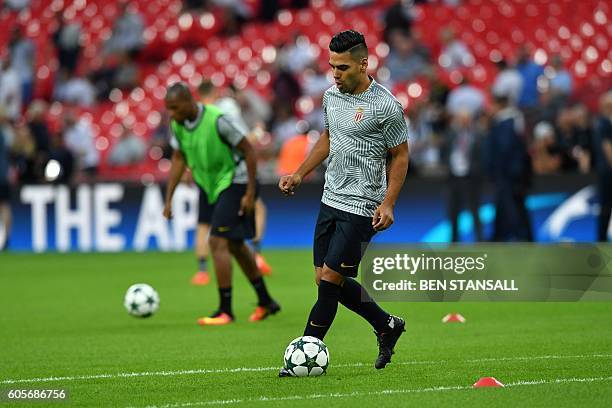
(362,128)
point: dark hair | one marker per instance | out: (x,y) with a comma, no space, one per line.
(180,90)
(206,87)
(351,41)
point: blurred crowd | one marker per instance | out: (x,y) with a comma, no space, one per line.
(460,131)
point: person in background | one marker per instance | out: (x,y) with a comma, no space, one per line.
(79,139)
(223,164)
(509,169)
(561,83)
(5,193)
(545,153)
(10,89)
(22,55)
(37,123)
(210,95)
(508,82)
(463,151)
(603,149)
(129,150)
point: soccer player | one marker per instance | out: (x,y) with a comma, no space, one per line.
(363,124)
(208,95)
(223,165)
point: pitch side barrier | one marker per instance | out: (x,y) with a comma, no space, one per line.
(113,216)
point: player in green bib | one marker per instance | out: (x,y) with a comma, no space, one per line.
(223,165)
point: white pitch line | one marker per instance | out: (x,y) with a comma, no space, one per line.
(259,369)
(264,398)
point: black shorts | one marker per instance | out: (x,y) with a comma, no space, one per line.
(225,221)
(340,240)
(205,210)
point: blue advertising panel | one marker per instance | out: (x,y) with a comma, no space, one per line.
(119,217)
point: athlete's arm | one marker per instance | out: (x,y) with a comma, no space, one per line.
(383,216)
(247,204)
(319,152)
(177,168)
(234,133)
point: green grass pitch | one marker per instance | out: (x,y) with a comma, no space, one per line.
(62,325)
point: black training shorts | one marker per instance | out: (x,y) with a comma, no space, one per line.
(205,210)
(341,239)
(225,221)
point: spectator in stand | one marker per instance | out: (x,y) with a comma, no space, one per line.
(406,60)
(67,40)
(296,56)
(314,81)
(603,149)
(424,143)
(508,82)
(22,56)
(37,123)
(465,98)
(129,150)
(583,135)
(398,17)
(126,72)
(286,87)
(128,30)
(5,196)
(79,139)
(16,5)
(10,89)
(74,90)
(560,82)
(256,111)
(292,154)
(269,8)
(347,4)
(285,125)
(575,138)
(455,53)
(61,155)
(234,13)
(24,155)
(545,154)
(195,5)
(463,153)
(529,97)
(564,129)
(507,164)
(162,135)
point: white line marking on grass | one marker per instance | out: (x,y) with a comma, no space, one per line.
(264,398)
(259,369)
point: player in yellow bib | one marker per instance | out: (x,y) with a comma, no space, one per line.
(223,165)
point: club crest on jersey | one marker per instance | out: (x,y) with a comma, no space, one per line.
(359,115)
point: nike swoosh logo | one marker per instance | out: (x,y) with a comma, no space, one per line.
(315,325)
(342,265)
(223,229)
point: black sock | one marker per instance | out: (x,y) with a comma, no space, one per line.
(225,300)
(256,246)
(262,292)
(202,264)
(354,297)
(324,310)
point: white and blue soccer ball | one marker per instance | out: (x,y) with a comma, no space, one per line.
(306,356)
(141,300)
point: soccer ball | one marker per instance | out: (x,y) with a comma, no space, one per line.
(306,356)
(141,300)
